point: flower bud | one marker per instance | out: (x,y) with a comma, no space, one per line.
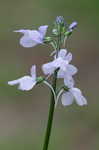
(55,32)
(39,79)
(60,20)
(68,33)
(47,39)
(59,26)
(73,25)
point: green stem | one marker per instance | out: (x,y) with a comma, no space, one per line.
(52,103)
(51,114)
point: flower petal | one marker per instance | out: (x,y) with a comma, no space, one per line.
(57,62)
(67,98)
(26,41)
(33,72)
(14,82)
(26,83)
(36,36)
(62,53)
(60,63)
(69,81)
(43,30)
(24,31)
(71,69)
(48,68)
(69,57)
(61,74)
(80,99)
(84,100)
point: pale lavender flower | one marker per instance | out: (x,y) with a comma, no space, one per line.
(61,62)
(32,38)
(26,83)
(71,95)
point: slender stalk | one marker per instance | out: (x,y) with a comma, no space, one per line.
(51,114)
(52,104)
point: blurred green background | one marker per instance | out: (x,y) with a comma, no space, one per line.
(23,115)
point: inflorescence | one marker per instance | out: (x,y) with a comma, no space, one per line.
(61,62)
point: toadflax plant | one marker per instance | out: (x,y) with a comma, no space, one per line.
(59,68)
